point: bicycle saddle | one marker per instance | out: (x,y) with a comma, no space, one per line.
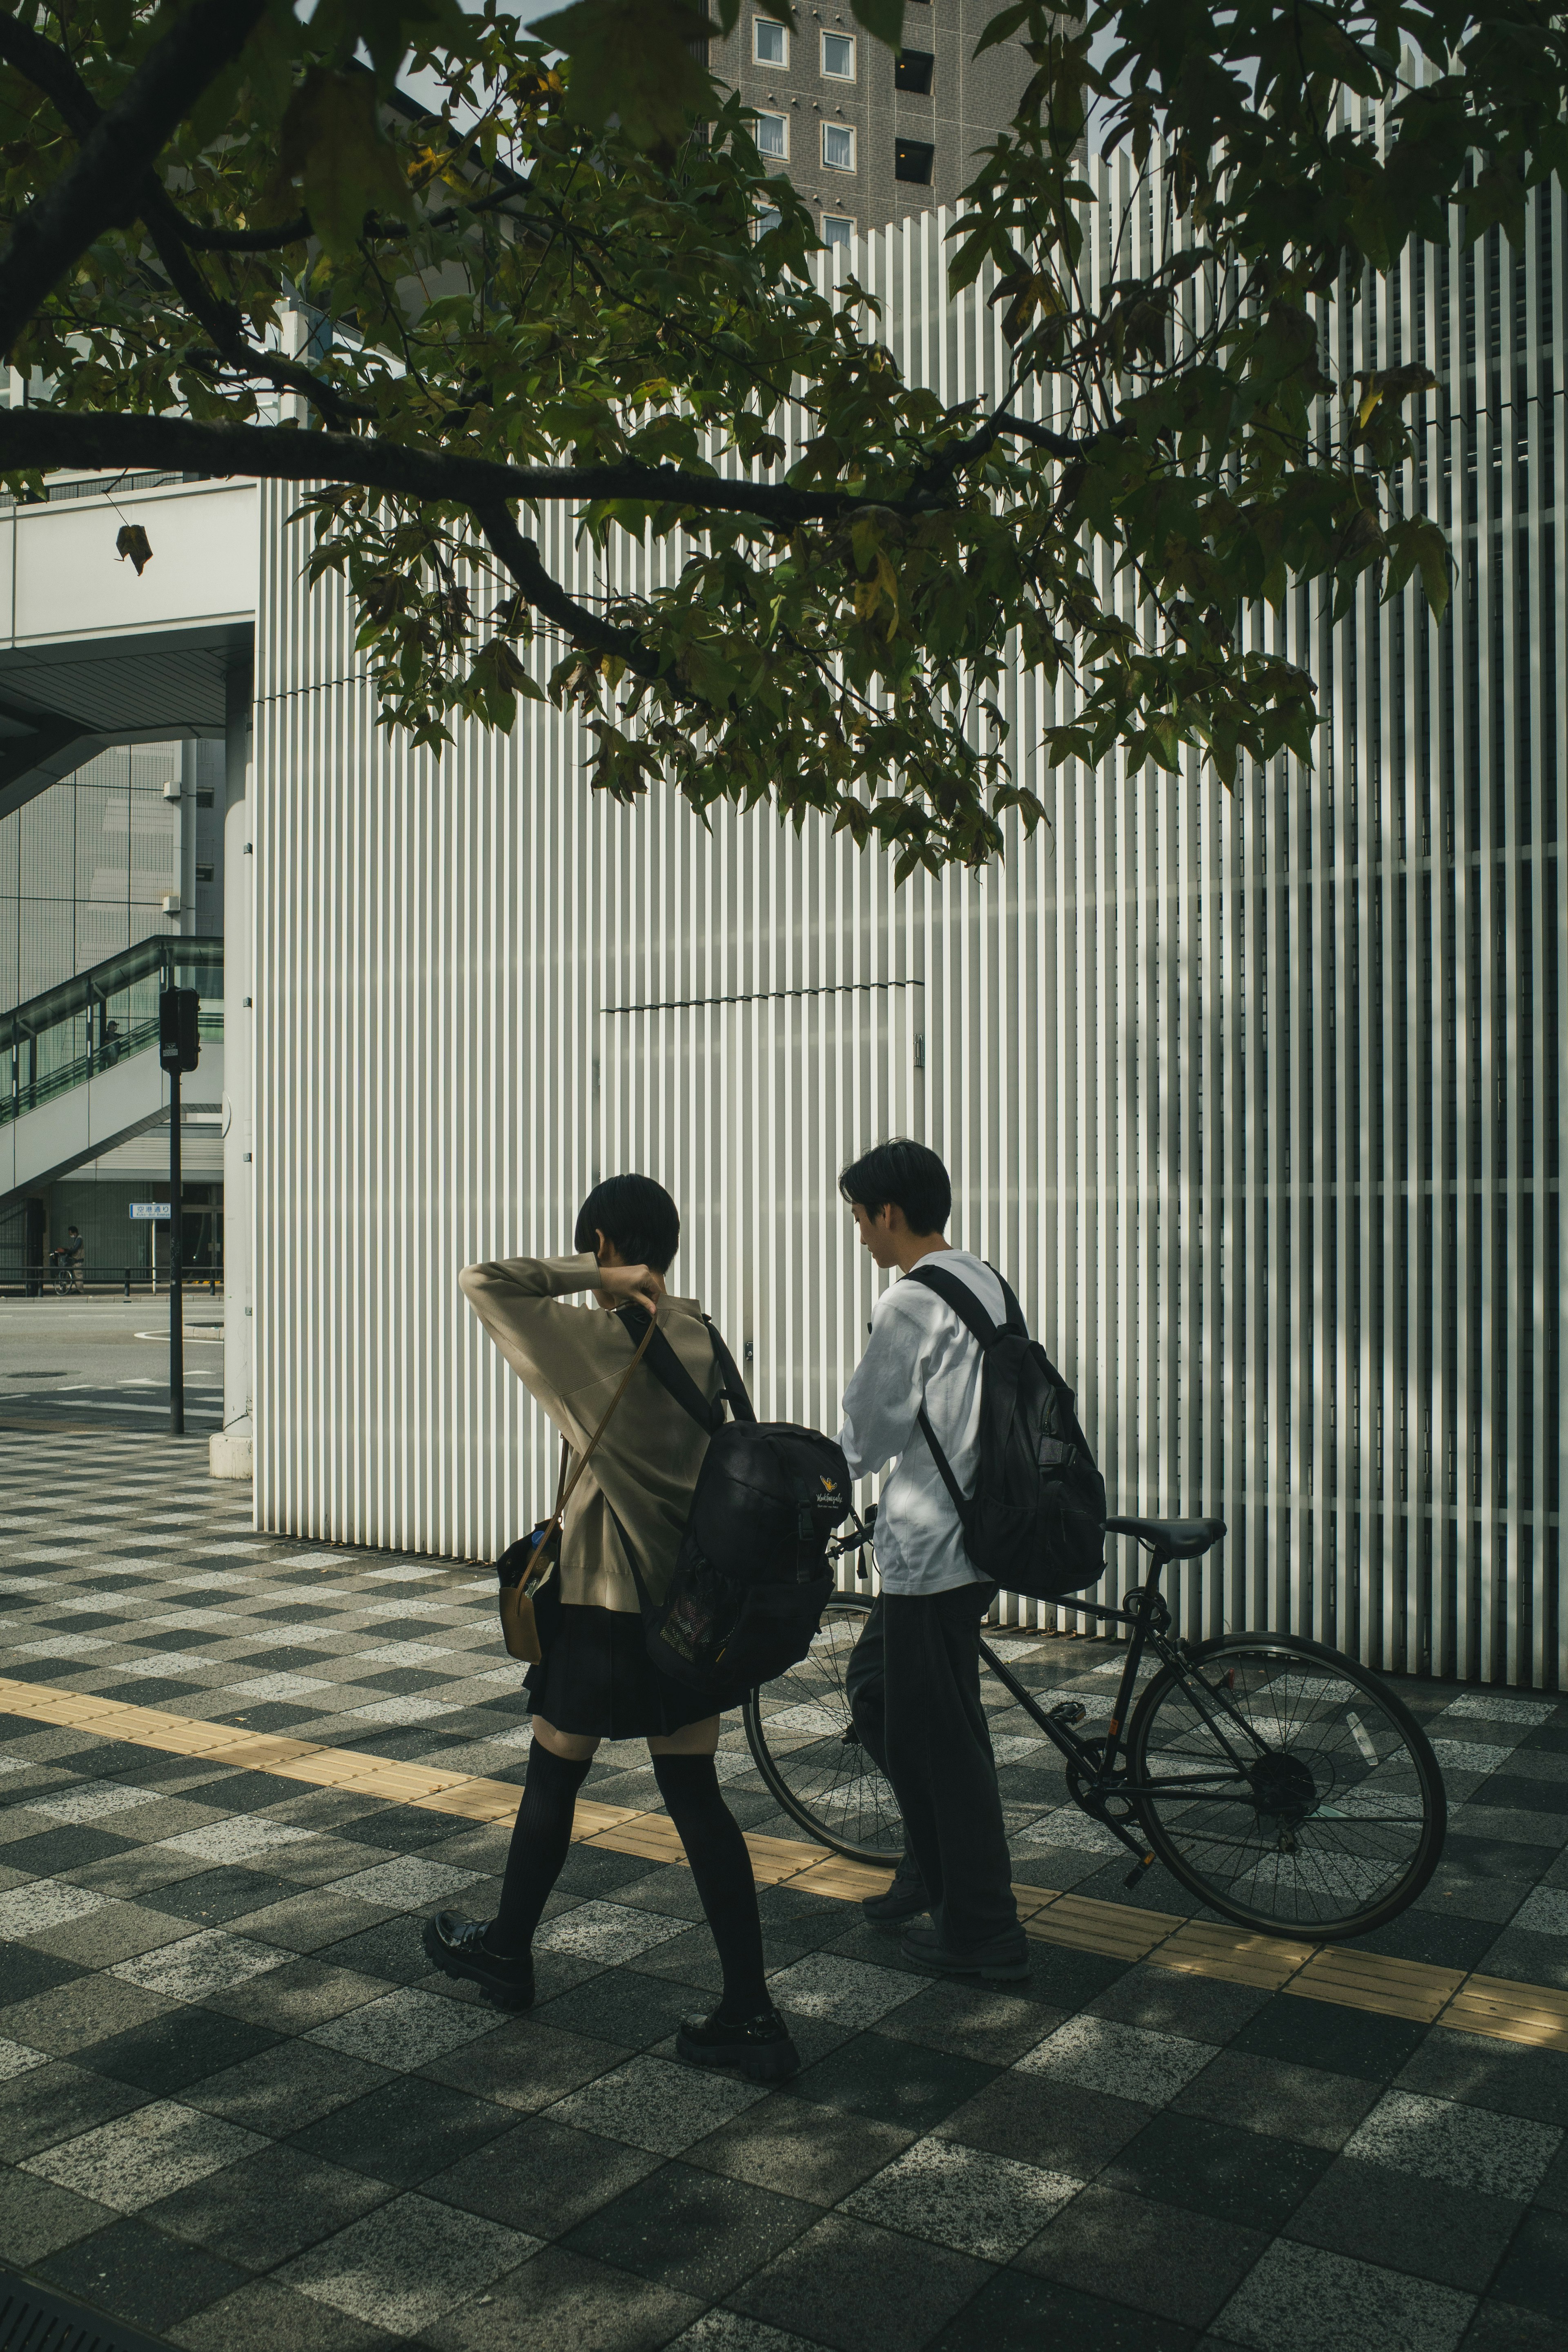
(1171,1539)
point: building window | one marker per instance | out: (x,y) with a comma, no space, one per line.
(836,232)
(838,146)
(912,160)
(768,218)
(770,42)
(773,135)
(838,56)
(913,71)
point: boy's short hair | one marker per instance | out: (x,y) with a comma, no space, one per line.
(907,1174)
(637,1214)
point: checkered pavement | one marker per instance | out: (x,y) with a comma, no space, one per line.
(237,2110)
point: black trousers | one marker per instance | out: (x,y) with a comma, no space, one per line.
(913,1684)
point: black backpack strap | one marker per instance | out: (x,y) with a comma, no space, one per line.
(955,1292)
(677,1381)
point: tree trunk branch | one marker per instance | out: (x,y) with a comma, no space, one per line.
(521,557)
(91,193)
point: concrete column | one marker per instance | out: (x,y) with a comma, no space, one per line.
(231,1448)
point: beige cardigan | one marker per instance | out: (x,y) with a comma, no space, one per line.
(571,1359)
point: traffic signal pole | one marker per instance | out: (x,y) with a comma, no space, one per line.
(179,1049)
(176,1295)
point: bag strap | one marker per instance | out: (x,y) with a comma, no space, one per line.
(677,1383)
(961,1502)
(568,1487)
(955,1292)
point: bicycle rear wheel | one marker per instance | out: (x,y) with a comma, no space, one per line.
(1313,1804)
(803,1736)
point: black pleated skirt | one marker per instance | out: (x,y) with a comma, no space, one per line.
(596,1679)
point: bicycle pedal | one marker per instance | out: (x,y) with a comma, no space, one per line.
(1139,1867)
(1071,1710)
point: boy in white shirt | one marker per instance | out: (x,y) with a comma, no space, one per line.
(932,1739)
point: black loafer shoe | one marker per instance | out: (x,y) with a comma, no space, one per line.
(1003,1961)
(905,1898)
(760,2047)
(457,1948)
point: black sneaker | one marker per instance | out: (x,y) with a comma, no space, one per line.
(1003,1961)
(904,1898)
(759,2047)
(457,1948)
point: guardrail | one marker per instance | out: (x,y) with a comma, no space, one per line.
(39,1281)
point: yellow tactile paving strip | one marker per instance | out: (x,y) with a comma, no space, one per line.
(1536,2014)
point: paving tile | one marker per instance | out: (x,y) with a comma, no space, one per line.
(1264,2095)
(309,1922)
(404,2131)
(1341,2040)
(285,2088)
(652,2104)
(1536,2265)
(954,2195)
(406,2264)
(894,2082)
(1126,2061)
(824,1984)
(566,2300)
(1165,2000)
(1481,2071)
(692,2230)
(111,1933)
(987,2024)
(1455,2235)
(1466,2146)
(42,1904)
(411,1882)
(263,2316)
(239,1839)
(522,2065)
(55,2102)
(1057,2125)
(196,1967)
(541,2178)
(140,2276)
(852,2286)
(1205,2167)
(1300,2299)
(1014,2312)
(728,2331)
(621,2006)
(36,2217)
(1507,2328)
(1171,2263)
(29,1972)
(81,2009)
(15,2058)
(266,2207)
(394,1949)
(800,2150)
(166,2054)
(404,2028)
(298,1995)
(138,2157)
(610,1933)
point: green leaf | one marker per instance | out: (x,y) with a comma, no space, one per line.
(333,145)
(631,59)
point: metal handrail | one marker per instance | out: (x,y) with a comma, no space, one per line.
(36,1281)
(182,952)
(141,1035)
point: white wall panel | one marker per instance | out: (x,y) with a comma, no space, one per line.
(1256,1097)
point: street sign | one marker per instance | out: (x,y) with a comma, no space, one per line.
(151,1212)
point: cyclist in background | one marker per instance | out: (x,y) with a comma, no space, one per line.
(932,1739)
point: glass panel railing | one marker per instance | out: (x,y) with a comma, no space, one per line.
(88,1025)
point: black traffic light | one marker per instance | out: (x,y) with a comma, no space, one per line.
(179,1038)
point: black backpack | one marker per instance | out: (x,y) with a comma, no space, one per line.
(752,1577)
(1036,1521)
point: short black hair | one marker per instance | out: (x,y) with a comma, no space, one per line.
(637,1214)
(905,1173)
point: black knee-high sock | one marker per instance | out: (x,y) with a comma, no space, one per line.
(722,1869)
(540,1839)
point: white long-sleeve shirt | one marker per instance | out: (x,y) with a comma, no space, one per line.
(919,1353)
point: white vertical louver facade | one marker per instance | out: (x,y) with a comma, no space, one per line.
(1256,1099)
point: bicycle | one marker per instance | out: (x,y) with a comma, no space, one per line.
(1278,1781)
(65,1273)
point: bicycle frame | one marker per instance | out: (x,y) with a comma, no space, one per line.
(1095,1760)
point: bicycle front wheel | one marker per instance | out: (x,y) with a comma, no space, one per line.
(1286,1787)
(802,1734)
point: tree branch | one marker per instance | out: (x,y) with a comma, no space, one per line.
(521,557)
(45,438)
(54,232)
